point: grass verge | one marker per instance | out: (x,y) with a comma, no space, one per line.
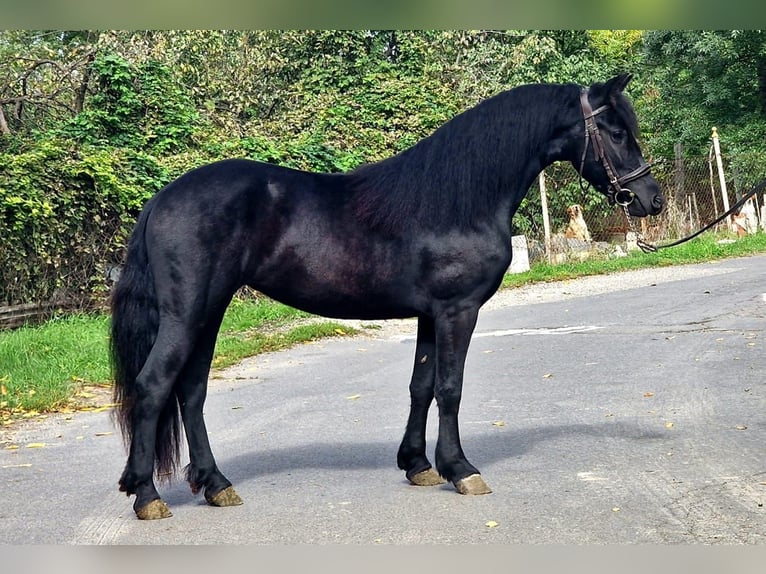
(699,250)
(60,364)
(51,367)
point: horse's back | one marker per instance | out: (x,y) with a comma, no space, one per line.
(297,237)
(288,233)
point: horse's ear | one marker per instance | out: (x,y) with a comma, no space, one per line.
(609,92)
(617,84)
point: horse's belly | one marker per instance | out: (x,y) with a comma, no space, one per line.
(343,305)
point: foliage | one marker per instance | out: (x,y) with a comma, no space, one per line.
(700,79)
(43,78)
(136,106)
(64,214)
(94,122)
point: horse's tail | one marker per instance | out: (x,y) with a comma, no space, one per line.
(135,321)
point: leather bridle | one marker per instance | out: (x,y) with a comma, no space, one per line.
(616,192)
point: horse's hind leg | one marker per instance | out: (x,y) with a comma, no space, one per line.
(154,402)
(202,472)
(412,452)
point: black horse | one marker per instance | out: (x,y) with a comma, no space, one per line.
(426,234)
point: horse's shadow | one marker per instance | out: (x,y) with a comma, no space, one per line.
(485,449)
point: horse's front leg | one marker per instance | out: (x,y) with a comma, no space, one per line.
(412,452)
(454,328)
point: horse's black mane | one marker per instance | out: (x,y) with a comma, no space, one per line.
(452,178)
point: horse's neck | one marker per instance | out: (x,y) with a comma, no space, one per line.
(478,166)
(543,136)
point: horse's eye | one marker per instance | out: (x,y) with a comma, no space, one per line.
(618,136)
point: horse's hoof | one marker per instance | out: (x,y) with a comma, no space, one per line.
(428,477)
(227,497)
(155,510)
(473,484)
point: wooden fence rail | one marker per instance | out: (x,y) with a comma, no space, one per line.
(12,316)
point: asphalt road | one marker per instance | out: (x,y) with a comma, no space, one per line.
(635,415)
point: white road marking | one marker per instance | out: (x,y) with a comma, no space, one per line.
(591,477)
(538,331)
(512,332)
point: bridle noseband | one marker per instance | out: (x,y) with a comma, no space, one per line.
(616,193)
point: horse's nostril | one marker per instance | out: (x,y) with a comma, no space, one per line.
(658,202)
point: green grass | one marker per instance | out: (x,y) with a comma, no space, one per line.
(43,367)
(701,249)
(233,347)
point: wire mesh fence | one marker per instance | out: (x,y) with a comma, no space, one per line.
(581,223)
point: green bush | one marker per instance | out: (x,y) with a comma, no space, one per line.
(65,211)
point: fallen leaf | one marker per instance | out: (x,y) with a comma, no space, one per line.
(740,427)
(36,445)
(668,425)
(616,509)
(648,394)
(23,465)
(12,447)
(236,408)
(353,397)
(499,423)
(106,433)
(491,524)
(104,408)
(340,331)
(548,375)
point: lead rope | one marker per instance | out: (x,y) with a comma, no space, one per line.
(645,246)
(649,248)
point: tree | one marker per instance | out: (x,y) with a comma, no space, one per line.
(44,76)
(702,79)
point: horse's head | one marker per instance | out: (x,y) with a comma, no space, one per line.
(608,156)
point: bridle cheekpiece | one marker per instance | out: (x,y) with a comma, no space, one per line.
(616,193)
